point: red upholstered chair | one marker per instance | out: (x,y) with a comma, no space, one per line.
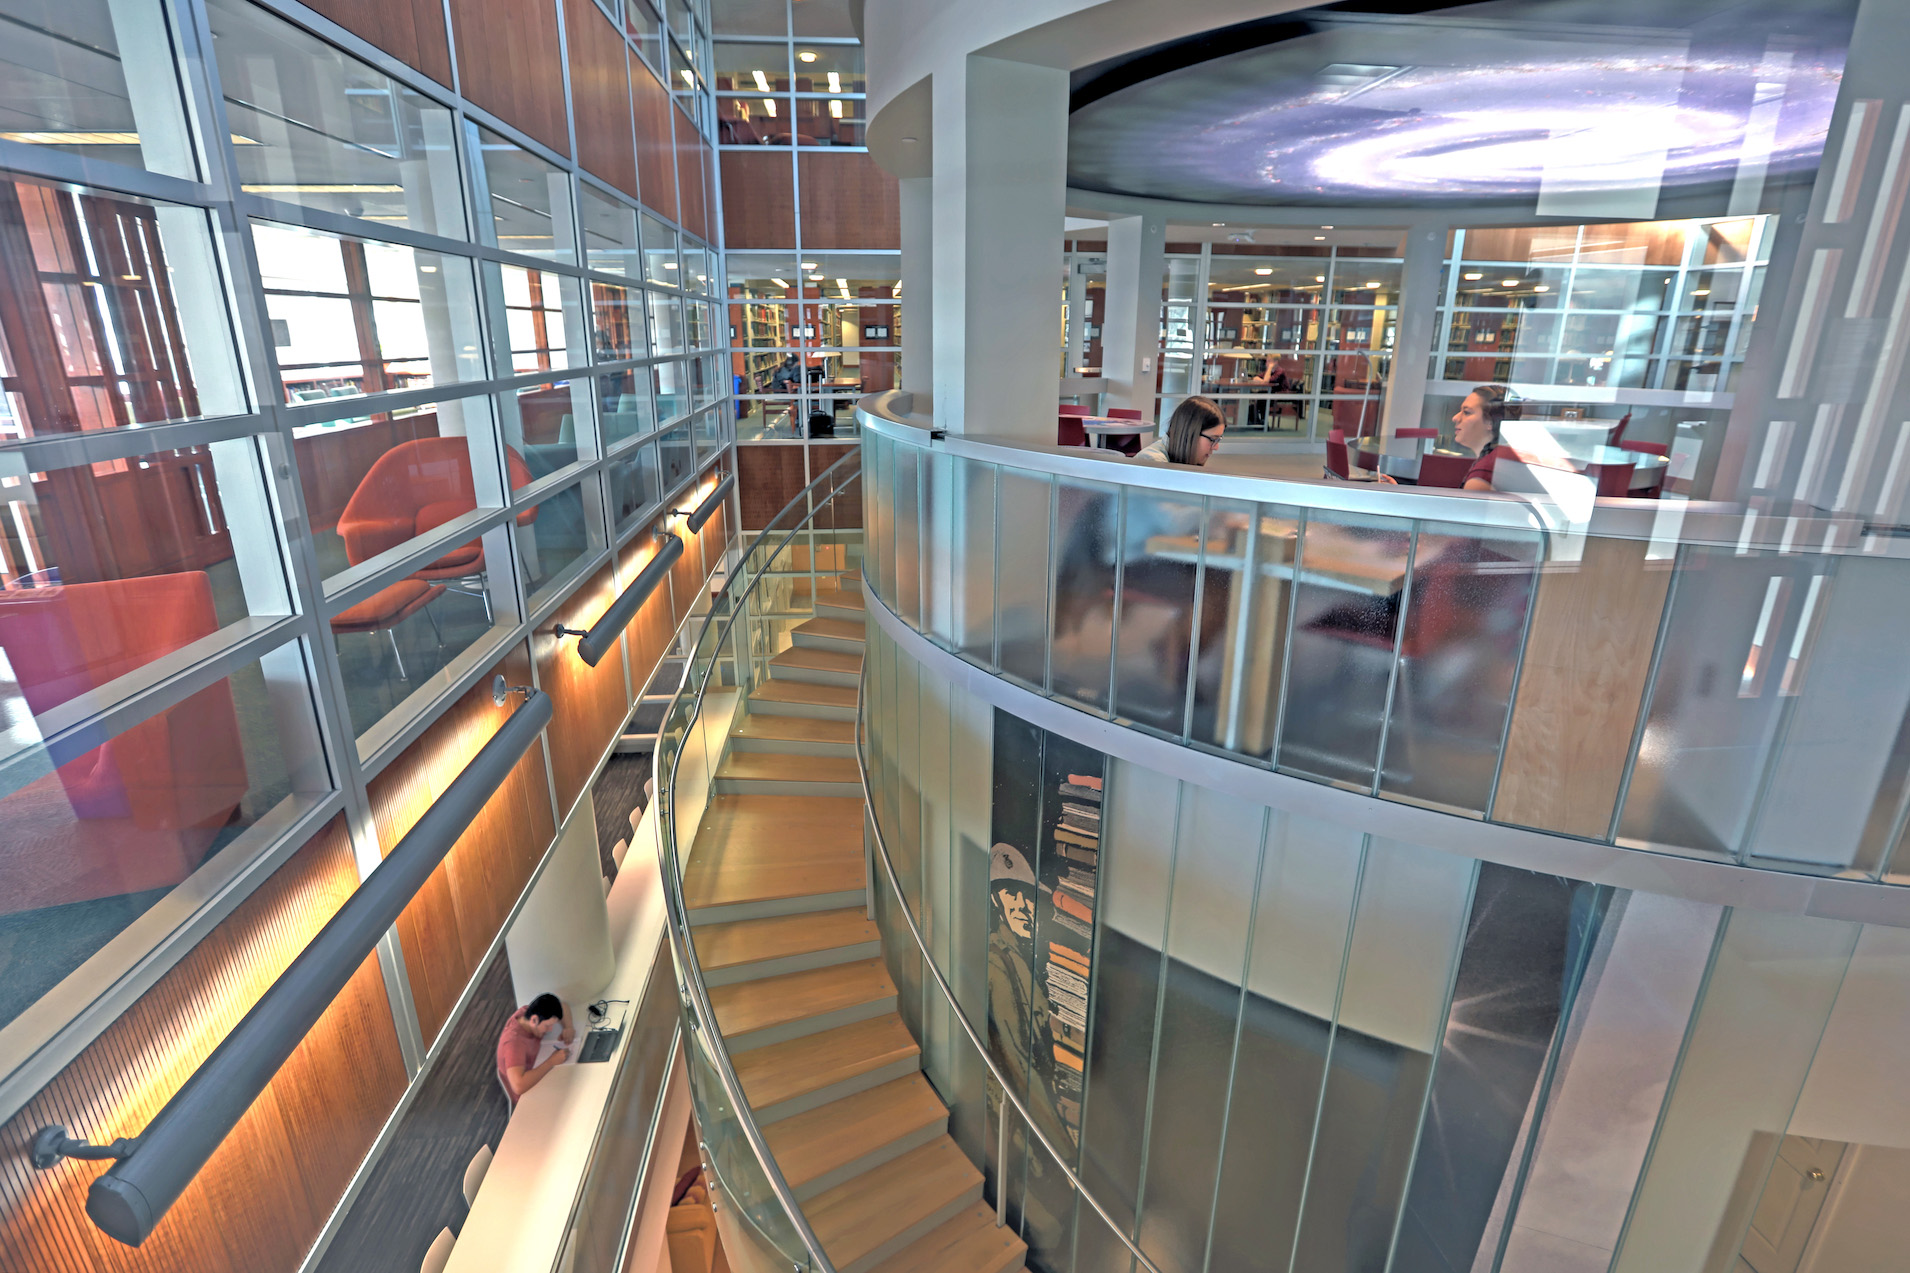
(1645,448)
(1416,433)
(1336,455)
(1613,479)
(1125,443)
(140,810)
(414,488)
(1446,471)
(1068,432)
(1617,436)
(385,609)
(1070,408)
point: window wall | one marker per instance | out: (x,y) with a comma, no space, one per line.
(811,227)
(321,385)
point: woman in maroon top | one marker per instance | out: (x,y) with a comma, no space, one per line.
(1476,427)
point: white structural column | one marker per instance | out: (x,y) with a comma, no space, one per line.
(999,209)
(560,940)
(918,284)
(1417,302)
(1131,329)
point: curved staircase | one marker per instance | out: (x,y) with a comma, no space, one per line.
(775,892)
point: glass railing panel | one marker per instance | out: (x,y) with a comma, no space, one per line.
(942,550)
(1159,547)
(1246,592)
(1021,575)
(1087,530)
(742,1183)
(1458,659)
(972,624)
(878,471)
(1717,697)
(906,493)
(1345,625)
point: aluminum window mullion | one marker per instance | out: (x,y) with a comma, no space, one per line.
(48,164)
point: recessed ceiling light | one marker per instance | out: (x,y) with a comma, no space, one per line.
(1542,288)
(1326,227)
(1218,224)
(1319,278)
(807,55)
(810,265)
(1703,291)
(1474,278)
(1319,238)
(1372,284)
(1263,270)
(1508,282)
(762,81)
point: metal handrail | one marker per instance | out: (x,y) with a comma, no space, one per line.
(679,921)
(961,1018)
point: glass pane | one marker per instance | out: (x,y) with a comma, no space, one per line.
(1626,1025)
(115,314)
(754,67)
(671,381)
(610,233)
(768,277)
(96,838)
(750,17)
(972,621)
(1345,620)
(68,88)
(529,201)
(753,121)
(1246,593)
(1216,863)
(617,315)
(107,567)
(834,121)
(666,324)
(659,252)
(1457,661)
(326,131)
(710,436)
(352,316)
(698,262)
(1083,584)
(635,486)
(677,457)
(541,423)
(554,535)
(404,639)
(543,319)
(1021,575)
(374,483)
(1160,551)
(645,29)
(1308,879)
(1406,933)
(906,492)
(829,68)
(623,399)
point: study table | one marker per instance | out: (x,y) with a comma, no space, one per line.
(1399,458)
(1103,427)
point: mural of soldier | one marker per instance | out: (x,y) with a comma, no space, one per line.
(1017,1016)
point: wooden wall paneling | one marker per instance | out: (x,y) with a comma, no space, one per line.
(587,703)
(847,202)
(260,1200)
(648,635)
(508,63)
(1587,657)
(656,140)
(453,920)
(759,200)
(767,477)
(410,30)
(845,511)
(600,95)
(689,169)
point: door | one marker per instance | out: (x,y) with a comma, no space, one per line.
(1788,1208)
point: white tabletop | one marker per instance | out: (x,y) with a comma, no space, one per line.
(1102,425)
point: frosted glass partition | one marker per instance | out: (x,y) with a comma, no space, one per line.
(1669,676)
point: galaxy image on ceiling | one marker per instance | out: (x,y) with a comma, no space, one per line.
(1564,102)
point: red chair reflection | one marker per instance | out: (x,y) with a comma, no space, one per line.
(413,489)
(1068,431)
(140,810)
(1446,471)
(1125,443)
(1336,455)
(1613,479)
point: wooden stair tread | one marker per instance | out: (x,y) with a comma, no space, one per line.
(747,1006)
(750,941)
(970,1243)
(841,598)
(811,659)
(859,1215)
(783,766)
(796,729)
(834,1135)
(805,692)
(761,848)
(783,1071)
(835,629)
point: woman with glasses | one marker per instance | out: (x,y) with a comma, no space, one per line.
(1193,435)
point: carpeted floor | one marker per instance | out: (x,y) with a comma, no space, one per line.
(619,789)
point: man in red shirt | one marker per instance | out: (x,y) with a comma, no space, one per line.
(517,1046)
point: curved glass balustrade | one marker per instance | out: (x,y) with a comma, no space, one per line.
(1678,677)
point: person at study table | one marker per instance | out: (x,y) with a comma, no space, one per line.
(518,1044)
(1193,435)
(1476,428)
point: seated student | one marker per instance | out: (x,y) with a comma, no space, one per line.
(1476,428)
(1193,435)
(517,1046)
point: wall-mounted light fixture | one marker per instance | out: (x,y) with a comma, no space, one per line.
(601,637)
(155,1167)
(694,519)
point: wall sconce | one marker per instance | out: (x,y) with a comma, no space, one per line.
(601,637)
(156,1166)
(711,502)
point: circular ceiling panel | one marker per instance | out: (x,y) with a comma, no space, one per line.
(1383,111)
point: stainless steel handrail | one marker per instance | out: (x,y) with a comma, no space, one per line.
(961,1018)
(702,1014)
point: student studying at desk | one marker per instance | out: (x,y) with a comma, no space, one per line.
(518,1045)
